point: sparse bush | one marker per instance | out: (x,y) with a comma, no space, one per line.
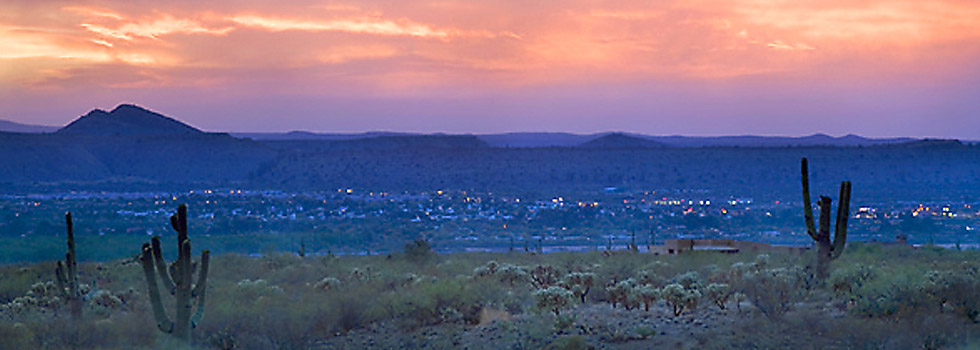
(718,293)
(774,291)
(580,283)
(648,294)
(418,250)
(680,298)
(328,284)
(553,299)
(618,292)
(957,289)
(544,276)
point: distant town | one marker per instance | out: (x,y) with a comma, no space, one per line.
(354,221)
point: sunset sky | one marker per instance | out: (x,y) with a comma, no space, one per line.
(713,67)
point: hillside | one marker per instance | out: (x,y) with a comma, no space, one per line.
(9,126)
(133,144)
(909,171)
(621,141)
(129,143)
(127,120)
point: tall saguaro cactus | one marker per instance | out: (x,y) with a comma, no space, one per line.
(177,279)
(826,250)
(67,274)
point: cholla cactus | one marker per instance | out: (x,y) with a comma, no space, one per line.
(648,294)
(328,284)
(690,280)
(487,270)
(580,283)
(106,299)
(718,293)
(506,273)
(680,298)
(544,276)
(553,298)
(619,291)
(648,277)
(357,275)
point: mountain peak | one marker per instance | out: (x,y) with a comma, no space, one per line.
(620,140)
(127,119)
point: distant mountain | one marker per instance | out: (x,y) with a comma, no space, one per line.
(128,120)
(385,142)
(621,141)
(132,145)
(773,141)
(306,135)
(536,139)
(556,139)
(129,143)
(9,126)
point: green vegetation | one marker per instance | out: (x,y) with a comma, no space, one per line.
(877,297)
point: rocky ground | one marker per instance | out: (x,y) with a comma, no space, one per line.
(599,325)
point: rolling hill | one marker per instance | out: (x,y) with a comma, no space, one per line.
(134,145)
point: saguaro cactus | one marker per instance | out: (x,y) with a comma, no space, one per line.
(67,274)
(826,250)
(177,279)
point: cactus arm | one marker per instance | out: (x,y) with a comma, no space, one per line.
(184,302)
(807,204)
(72,266)
(840,228)
(67,274)
(179,223)
(59,274)
(163,322)
(200,290)
(161,266)
(823,233)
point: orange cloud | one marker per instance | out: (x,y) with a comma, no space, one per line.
(359,25)
(88,11)
(155,28)
(487,44)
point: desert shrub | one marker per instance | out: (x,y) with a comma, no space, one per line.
(689,280)
(619,291)
(17,336)
(648,294)
(572,342)
(774,291)
(544,276)
(718,293)
(846,280)
(505,273)
(259,314)
(957,289)
(437,301)
(486,270)
(649,277)
(418,251)
(680,298)
(579,283)
(328,284)
(553,299)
